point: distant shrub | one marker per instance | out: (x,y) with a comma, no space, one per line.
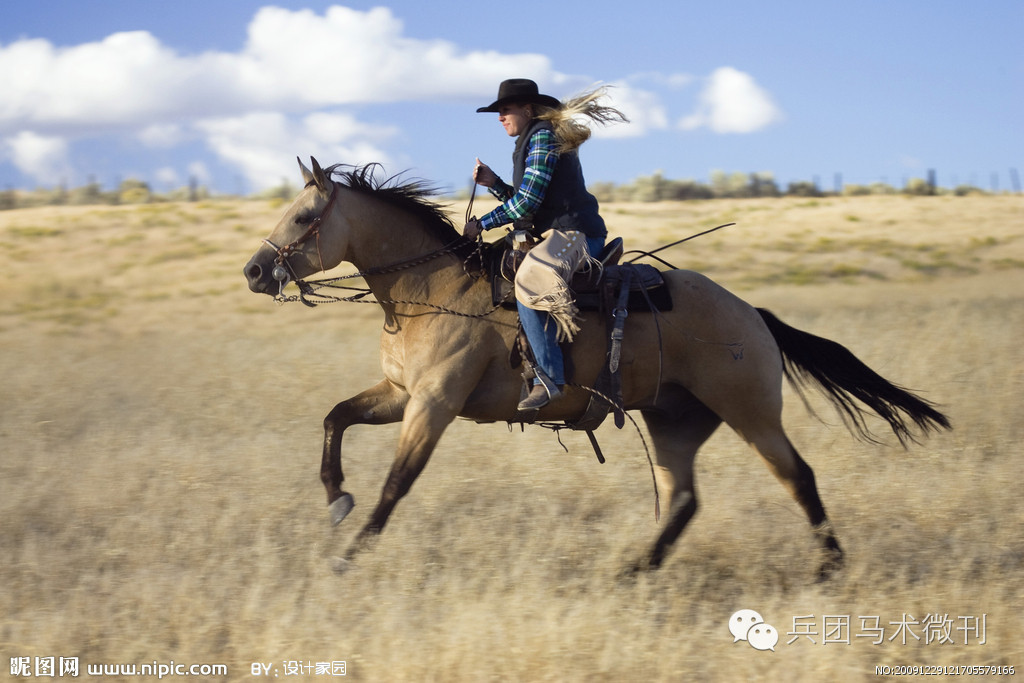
(918,187)
(649,188)
(284,191)
(762,185)
(968,191)
(803,188)
(8,200)
(653,188)
(92,194)
(134,191)
(740,185)
(728,184)
(689,189)
(605,192)
(865,190)
(191,193)
(856,190)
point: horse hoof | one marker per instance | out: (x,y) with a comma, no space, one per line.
(340,508)
(632,571)
(339,565)
(829,568)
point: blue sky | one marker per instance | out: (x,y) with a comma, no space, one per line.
(231,92)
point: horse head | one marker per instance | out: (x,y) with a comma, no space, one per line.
(381,226)
(297,248)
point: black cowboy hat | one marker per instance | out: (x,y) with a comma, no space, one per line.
(522,91)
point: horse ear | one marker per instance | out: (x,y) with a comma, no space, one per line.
(307,175)
(319,176)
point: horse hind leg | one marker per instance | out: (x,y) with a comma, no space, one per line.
(796,475)
(676,439)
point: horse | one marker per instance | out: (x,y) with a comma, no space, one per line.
(445,352)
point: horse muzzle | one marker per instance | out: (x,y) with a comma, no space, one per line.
(267,277)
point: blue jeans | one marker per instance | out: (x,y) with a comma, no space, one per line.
(543,333)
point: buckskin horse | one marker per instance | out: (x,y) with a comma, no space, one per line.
(445,353)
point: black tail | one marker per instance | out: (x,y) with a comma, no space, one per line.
(842,377)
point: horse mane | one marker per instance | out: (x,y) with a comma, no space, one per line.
(413,196)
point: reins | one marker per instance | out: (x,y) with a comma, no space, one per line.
(309,295)
(308,290)
(469,206)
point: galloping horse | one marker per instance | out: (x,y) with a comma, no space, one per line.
(722,360)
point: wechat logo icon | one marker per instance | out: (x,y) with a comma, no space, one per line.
(748,625)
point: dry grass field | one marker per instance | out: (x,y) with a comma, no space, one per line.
(160,438)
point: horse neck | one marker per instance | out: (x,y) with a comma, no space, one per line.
(383,242)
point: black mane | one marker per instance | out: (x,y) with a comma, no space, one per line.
(413,196)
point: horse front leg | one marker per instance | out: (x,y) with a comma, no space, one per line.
(383,403)
(425,420)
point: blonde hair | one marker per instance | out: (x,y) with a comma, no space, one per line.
(569,129)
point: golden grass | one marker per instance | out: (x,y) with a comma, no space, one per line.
(161,438)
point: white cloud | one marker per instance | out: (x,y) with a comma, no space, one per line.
(125,79)
(131,80)
(732,102)
(910,162)
(264,145)
(162,135)
(199,171)
(293,63)
(364,57)
(672,81)
(281,93)
(643,108)
(44,158)
(167,177)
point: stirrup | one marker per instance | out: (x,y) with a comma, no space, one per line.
(546,381)
(543,391)
(536,399)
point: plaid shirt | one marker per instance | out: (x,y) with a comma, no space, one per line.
(541,157)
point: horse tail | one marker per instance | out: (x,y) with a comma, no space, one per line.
(842,377)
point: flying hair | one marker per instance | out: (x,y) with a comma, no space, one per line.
(569,123)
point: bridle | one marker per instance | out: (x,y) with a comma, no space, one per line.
(283,271)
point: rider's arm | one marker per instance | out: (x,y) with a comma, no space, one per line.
(502,190)
(541,157)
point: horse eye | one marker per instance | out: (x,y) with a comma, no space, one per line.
(305,218)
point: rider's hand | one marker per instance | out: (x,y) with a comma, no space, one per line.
(483,175)
(472,229)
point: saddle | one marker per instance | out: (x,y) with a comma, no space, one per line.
(613,290)
(592,290)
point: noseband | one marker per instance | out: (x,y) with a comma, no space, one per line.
(283,271)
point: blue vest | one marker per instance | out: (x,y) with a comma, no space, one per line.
(567,204)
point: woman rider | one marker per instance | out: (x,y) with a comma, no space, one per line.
(548,193)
